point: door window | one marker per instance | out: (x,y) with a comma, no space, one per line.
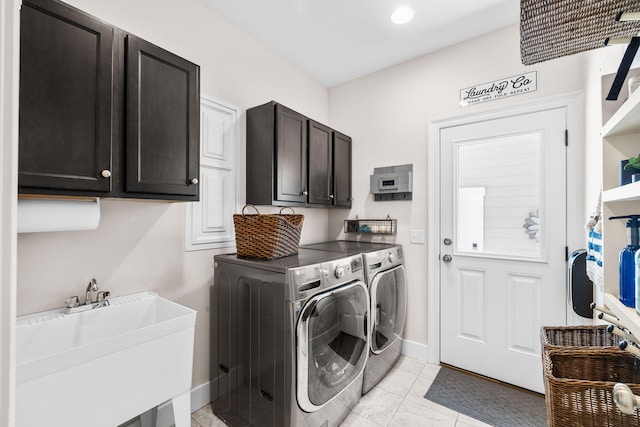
(332,344)
(499,196)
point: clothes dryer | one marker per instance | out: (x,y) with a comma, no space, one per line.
(386,281)
(289,339)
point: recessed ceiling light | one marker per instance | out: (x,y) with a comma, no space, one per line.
(402,15)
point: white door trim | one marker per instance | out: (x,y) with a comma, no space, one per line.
(572,103)
(9,83)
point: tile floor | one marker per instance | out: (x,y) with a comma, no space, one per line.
(398,400)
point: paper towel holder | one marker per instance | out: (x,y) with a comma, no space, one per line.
(55,214)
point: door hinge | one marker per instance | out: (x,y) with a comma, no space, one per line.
(566,137)
(566,253)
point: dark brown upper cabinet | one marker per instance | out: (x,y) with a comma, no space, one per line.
(162,121)
(320,162)
(295,161)
(66,93)
(291,155)
(102,112)
(341,170)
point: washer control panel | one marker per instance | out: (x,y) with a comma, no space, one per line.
(344,270)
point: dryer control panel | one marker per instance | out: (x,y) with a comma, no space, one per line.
(382,260)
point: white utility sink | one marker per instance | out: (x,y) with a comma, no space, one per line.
(104,366)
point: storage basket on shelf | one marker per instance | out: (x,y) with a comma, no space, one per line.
(579,386)
(267,236)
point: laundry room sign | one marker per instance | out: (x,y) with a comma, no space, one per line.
(497,89)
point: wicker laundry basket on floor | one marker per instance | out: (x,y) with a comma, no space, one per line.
(579,387)
(577,337)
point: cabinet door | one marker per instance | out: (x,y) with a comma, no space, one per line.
(341,170)
(163,120)
(291,155)
(66,75)
(320,161)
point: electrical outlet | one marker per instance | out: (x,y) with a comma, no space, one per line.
(417,236)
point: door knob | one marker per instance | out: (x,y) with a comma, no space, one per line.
(447,241)
(446,258)
(106,173)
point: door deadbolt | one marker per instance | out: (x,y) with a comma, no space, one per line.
(446,258)
(447,241)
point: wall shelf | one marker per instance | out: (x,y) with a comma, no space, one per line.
(626,120)
(627,315)
(628,192)
(371,226)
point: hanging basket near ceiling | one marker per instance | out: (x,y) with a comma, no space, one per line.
(551,29)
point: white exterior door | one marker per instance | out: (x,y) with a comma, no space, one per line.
(503,243)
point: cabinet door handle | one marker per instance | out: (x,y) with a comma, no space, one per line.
(106,173)
(304,193)
(331,196)
(194,181)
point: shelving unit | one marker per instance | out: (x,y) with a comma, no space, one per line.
(620,140)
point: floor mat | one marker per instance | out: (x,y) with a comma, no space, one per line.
(491,402)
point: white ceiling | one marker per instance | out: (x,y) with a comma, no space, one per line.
(335,41)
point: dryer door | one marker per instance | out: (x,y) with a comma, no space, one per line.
(388,308)
(332,344)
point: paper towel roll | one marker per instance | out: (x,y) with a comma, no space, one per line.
(57,215)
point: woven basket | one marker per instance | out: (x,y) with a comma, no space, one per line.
(587,338)
(267,236)
(553,28)
(579,387)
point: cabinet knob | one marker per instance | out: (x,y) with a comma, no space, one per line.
(194,181)
(331,196)
(304,193)
(106,173)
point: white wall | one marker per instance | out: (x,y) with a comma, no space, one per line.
(139,245)
(387,114)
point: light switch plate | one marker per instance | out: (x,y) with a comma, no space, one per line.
(417,236)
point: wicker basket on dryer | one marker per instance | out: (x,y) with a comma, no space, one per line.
(267,236)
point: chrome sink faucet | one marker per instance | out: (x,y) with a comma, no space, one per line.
(73,304)
(91,287)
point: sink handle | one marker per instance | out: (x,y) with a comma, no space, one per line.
(72,301)
(103,295)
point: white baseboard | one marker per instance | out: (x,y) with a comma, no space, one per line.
(415,350)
